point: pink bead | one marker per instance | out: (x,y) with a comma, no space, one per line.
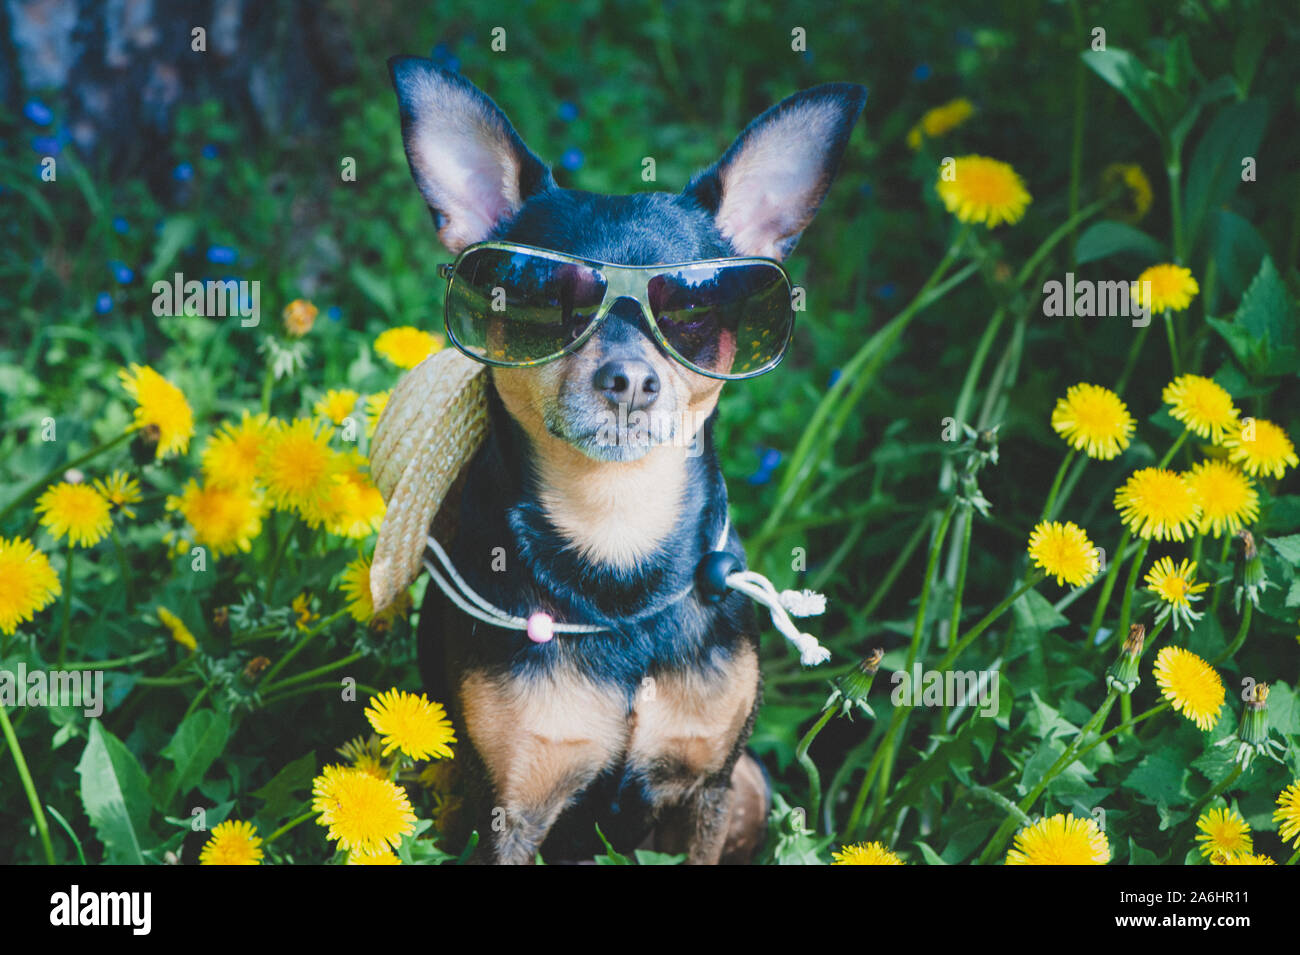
(541,627)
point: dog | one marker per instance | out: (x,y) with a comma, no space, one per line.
(639,730)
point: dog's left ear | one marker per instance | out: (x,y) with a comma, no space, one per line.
(766,188)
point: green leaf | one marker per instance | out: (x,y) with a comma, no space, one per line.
(115,794)
(1221,88)
(1033,611)
(610,857)
(1245,347)
(1139,856)
(1288,548)
(1125,73)
(646,857)
(1215,169)
(58,817)
(1158,779)
(1104,239)
(1237,249)
(198,741)
(176,233)
(1265,309)
(931,857)
(378,290)
(280,793)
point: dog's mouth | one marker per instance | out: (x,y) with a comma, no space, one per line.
(616,434)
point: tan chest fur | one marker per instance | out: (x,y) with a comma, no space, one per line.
(544,739)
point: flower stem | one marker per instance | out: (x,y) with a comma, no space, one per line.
(305,817)
(67,606)
(1048,512)
(125,566)
(38,814)
(1239,639)
(1127,606)
(1107,587)
(1066,758)
(809,767)
(298,647)
(1173,344)
(55,472)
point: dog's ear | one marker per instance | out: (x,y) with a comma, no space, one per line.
(766,188)
(470,164)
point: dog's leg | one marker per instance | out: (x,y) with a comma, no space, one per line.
(688,731)
(542,739)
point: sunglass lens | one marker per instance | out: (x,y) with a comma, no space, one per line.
(731,320)
(517,308)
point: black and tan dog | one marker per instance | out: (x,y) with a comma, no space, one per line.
(640,729)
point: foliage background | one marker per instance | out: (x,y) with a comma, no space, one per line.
(675,81)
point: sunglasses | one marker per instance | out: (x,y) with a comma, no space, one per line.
(514,305)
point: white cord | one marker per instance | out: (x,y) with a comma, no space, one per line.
(750,583)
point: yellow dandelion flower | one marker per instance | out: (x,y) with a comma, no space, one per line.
(1228,498)
(406,347)
(1171,287)
(27,582)
(299,316)
(302,612)
(1244,859)
(978,189)
(383,857)
(121,491)
(940,121)
(375,405)
(1202,405)
(1190,684)
(231,454)
(1158,503)
(1060,840)
(1134,180)
(354,507)
(180,633)
(1223,832)
(356,587)
(865,853)
(337,405)
(1175,587)
(75,511)
(363,813)
(224,519)
(159,403)
(1064,552)
(297,467)
(1094,420)
(1260,447)
(1287,814)
(232,843)
(411,723)
(364,754)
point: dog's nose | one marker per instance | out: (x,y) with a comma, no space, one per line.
(628,382)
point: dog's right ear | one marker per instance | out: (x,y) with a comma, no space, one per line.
(469,163)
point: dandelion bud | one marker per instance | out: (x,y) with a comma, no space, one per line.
(1254,580)
(1252,733)
(1123,673)
(299,316)
(851,689)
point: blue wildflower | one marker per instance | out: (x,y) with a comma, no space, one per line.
(887,291)
(121,272)
(334,313)
(222,255)
(836,374)
(572,159)
(120,225)
(922,72)
(46,145)
(103,303)
(183,172)
(38,113)
(210,151)
(568,111)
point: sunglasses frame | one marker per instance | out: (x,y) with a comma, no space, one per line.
(621,281)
